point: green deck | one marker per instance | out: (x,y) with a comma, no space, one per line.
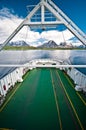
(46,100)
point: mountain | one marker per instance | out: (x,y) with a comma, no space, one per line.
(18,43)
(50,44)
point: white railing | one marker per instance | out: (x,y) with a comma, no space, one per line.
(46,65)
(16,76)
(78,78)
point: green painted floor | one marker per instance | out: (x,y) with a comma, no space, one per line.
(45,100)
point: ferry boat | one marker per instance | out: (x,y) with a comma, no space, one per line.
(43,94)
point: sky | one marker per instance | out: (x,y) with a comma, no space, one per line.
(13,12)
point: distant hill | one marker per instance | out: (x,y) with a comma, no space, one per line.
(18,43)
(50,44)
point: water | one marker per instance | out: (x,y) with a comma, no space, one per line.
(18,57)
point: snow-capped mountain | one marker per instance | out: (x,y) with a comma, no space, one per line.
(18,43)
(50,44)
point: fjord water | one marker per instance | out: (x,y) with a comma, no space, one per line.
(18,57)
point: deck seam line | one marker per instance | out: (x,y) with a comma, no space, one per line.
(71,104)
(57,106)
(68,103)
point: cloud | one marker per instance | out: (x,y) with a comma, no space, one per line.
(9,22)
(57,36)
(7,13)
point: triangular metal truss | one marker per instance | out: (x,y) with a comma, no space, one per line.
(46,13)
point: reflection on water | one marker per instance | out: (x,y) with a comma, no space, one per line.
(15,57)
(79,58)
(18,57)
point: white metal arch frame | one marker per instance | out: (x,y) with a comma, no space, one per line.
(61,18)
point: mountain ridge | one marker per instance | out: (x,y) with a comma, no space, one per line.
(49,44)
(18,43)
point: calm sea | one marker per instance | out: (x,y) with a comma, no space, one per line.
(18,57)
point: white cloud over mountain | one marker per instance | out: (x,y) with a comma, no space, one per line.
(9,22)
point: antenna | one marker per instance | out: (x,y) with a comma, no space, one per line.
(30,8)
